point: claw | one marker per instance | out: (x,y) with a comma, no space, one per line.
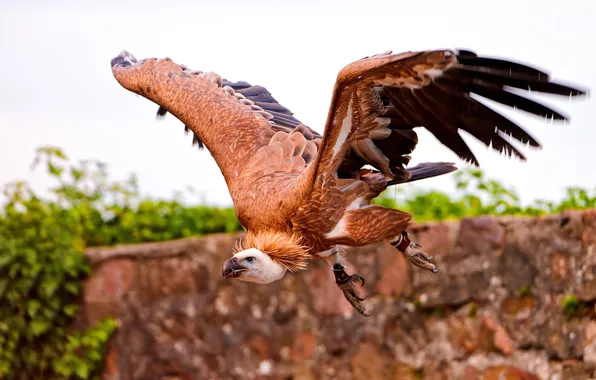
(413,252)
(355,278)
(419,258)
(354,299)
(346,283)
(356,295)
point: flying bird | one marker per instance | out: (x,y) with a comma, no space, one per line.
(301,195)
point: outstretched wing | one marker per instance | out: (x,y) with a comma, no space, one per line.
(259,146)
(379,100)
(282,118)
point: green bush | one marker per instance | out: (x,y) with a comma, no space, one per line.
(41,267)
(476,195)
(113,212)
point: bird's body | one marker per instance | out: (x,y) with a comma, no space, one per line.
(302,195)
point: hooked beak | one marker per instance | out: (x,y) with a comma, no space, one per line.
(232,268)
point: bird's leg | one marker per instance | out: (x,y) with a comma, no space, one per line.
(412,252)
(346,284)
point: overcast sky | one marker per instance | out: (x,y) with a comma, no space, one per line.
(56,87)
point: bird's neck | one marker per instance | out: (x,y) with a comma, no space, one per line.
(272,271)
(284,248)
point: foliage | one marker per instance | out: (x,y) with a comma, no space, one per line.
(525,291)
(573,307)
(570,304)
(41,267)
(113,212)
(476,195)
(84,352)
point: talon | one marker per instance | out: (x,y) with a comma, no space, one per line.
(346,282)
(357,296)
(411,251)
(421,262)
(355,278)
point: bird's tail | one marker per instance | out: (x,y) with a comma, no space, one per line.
(427,170)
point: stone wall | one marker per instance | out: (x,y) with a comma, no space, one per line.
(494,310)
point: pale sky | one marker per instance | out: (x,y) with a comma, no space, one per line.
(56,87)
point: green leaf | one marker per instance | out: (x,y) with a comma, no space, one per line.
(63,368)
(54,170)
(39,326)
(5,260)
(59,153)
(49,313)
(94,355)
(49,286)
(101,335)
(81,369)
(33,307)
(76,174)
(72,287)
(71,309)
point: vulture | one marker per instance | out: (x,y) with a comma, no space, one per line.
(302,195)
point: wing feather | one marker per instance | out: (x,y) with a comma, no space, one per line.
(440,90)
(260,99)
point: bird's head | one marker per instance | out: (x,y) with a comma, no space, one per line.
(253,265)
(265,257)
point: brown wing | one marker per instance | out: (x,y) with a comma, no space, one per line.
(257,143)
(380,99)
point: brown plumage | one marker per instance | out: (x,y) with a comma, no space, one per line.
(299,194)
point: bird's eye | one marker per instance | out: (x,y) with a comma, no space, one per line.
(250,259)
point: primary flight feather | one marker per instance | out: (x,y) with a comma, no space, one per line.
(301,195)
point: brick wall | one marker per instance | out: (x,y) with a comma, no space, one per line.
(494,310)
